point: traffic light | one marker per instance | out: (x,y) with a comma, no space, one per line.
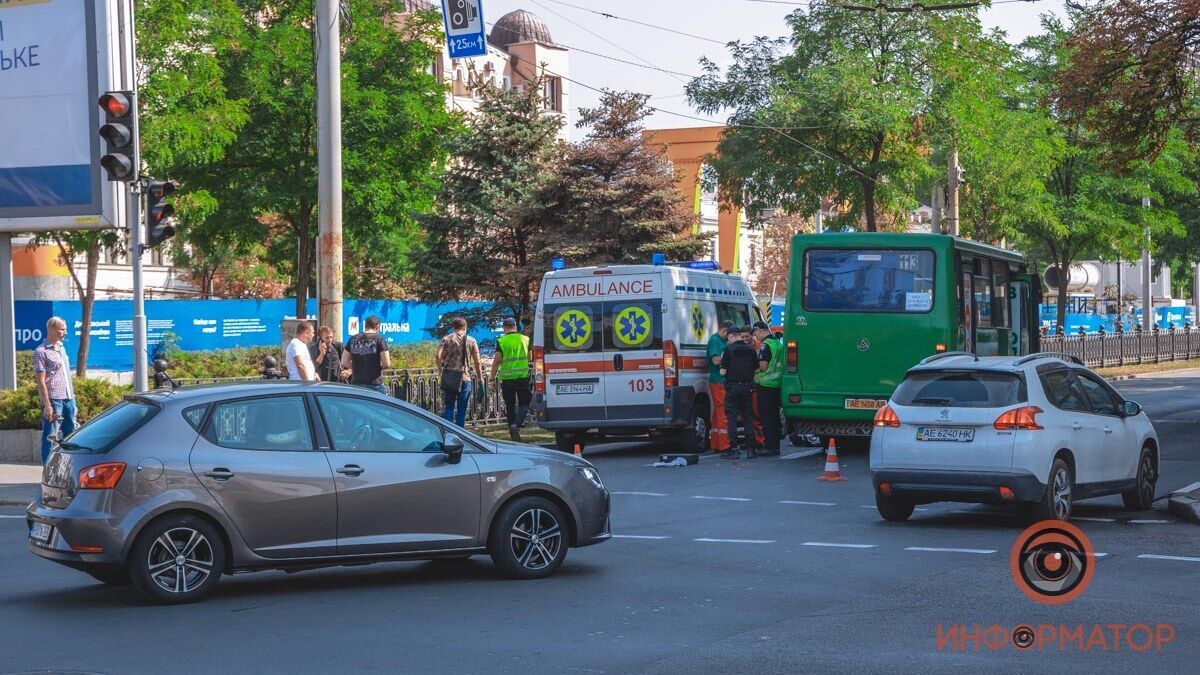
(121,162)
(159,212)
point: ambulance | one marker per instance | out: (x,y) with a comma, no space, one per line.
(619,351)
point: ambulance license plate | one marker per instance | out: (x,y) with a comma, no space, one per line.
(40,533)
(865,403)
(945,434)
(568,389)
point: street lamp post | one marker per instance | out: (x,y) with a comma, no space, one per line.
(329,167)
(1147,294)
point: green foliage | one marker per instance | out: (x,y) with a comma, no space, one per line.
(413,355)
(489,235)
(834,111)
(230,113)
(22,409)
(240,362)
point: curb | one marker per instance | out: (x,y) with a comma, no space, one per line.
(1185,506)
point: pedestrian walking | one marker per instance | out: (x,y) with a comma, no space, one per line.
(297,358)
(739,363)
(327,356)
(767,383)
(511,367)
(366,357)
(458,358)
(718,432)
(52,371)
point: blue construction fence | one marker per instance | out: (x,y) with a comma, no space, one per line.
(200,325)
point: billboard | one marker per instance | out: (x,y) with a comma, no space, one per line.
(54,63)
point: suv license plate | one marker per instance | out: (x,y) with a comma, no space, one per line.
(945,434)
(567,389)
(40,533)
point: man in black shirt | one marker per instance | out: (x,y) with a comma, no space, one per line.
(367,357)
(739,363)
(327,355)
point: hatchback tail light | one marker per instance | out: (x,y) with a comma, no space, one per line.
(886,417)
(1019,418)
(539,369)
(101,476)
(793,357)
(670,365)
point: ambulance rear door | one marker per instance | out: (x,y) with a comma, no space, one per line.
(574,361)
(633,346)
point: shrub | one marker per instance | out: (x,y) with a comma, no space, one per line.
(414,355)
(22,408)
(239,362)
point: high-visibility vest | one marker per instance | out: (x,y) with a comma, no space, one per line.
(514,352)
(773,376)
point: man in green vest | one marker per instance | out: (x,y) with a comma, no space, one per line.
(511,366)
(768,380)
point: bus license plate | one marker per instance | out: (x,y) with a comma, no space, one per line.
(945,434)
(568,389)
(40,533)
(865,403)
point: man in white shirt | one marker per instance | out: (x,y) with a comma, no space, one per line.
(298,359)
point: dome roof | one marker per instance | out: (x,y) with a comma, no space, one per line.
(519,26)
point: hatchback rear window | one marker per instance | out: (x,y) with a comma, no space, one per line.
(110,427)
(960,389)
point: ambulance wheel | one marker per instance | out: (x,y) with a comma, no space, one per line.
(567,440)
(694,438)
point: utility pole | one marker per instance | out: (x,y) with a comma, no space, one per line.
(329,166)
(935,205)
(1147,292)
(953,178)
(8,337)
(133,200)
(817,224)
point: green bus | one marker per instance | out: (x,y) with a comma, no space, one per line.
(864,307)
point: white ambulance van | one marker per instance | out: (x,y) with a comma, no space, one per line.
(619,351)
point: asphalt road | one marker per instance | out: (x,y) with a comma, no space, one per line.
(748,566)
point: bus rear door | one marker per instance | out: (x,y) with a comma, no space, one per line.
(1025,289)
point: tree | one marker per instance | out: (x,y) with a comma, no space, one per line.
(1132,75)
(488,237)
(252,180)
(1093,209)
(834,111)
(71,245)
(777,252)
(618,200)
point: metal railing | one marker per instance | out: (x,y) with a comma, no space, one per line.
(1126,347)
(421,387)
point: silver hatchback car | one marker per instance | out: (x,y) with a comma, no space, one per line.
(171,489)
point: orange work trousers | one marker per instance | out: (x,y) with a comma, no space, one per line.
(718,434)
(759,437)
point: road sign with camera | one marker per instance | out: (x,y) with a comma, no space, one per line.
(464,28)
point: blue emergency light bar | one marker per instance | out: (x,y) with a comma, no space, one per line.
(558,264)
(658,258)
(700,265)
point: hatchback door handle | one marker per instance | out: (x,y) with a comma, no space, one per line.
(220,473)
(351,470)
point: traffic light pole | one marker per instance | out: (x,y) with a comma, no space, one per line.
(329,167)
(134,199)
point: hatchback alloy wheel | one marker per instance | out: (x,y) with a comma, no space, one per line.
(535,539)
(180,560)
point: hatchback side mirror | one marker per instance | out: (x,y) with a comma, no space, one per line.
(1131,409)
(452,447)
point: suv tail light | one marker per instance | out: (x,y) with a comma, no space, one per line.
(1019,418)
(101,476)
(793,357)
(539,369)
(670,364)
(886,417)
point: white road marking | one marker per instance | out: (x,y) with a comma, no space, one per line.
(12,516)
(1094,520)
(641,494)
(737,541)
(803,453)
(1189,488)
(723,499)
(831,545)
(1149,521)
(788,501)
(950,550)
(639,536)
(1098,555)
(1182,558)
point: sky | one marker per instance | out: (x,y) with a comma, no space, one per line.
(715,20)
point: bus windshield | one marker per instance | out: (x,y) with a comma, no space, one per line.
(869,280)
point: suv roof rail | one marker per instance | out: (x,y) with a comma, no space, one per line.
(943,355)
(1048,355)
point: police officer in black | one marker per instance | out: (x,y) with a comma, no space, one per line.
(739,363)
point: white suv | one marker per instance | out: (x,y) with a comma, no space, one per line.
(1041,430)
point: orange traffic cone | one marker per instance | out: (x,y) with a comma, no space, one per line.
(832,472)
